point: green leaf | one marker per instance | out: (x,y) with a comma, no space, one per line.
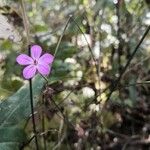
(11,138)
(14,111)
(16,108)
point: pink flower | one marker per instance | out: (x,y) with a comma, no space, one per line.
(35,63)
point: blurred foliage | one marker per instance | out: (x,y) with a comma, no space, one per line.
(112,29)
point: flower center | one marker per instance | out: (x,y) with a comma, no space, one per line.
(35,62)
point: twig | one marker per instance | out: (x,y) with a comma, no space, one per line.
(135,84)
(117,134)
(59,133)
(127,64)
(117,82)
(66,97)
(134,140)
(60,141)
(118,35)
(100,53)
(39,134)
(64,117)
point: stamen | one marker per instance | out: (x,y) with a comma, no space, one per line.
(35,62)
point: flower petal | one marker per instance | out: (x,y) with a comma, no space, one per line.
(36,51)
(46,58)
(29,71)
(43,69)
(24,59)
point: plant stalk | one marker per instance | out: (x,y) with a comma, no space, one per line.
(26,26)
(32,110)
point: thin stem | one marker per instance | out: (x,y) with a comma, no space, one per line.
(25,22)
(64,117)
(115,85)
(56,50)
(60,39)
(135,84)
(90,49)
(118,36)
(62,101)
(127,64)
(100,52)
(43,125)
(26,143)
(85,39)
(39,134)
(44,78)
(117,82)
(26,26)
(32,111)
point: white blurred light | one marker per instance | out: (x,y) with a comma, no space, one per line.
(88,92)
(79,74)
(70,60)
(94,107)
(83,40)
(147,19)
(114,19)
(96,49)
(115,1)
(148,15)
(106,28)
